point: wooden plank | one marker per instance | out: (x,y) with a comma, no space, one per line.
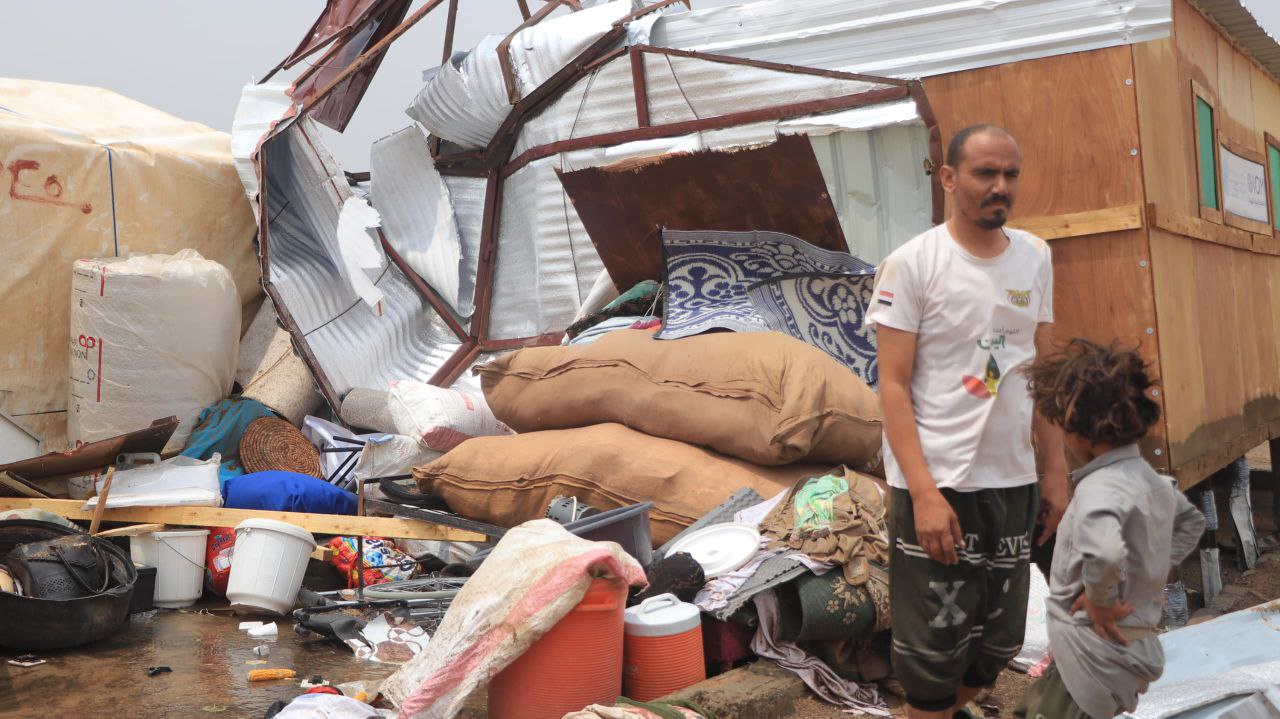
(1103,292)
(1164,118)
(1235,97)
(1076,137)
(1197,43)
(1080,224)
(132,530)
(222,517)
(1182,375)
(1200,229)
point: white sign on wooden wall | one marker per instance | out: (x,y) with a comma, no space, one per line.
(1244,187)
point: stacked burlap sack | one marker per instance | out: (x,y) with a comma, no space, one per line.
(681,423)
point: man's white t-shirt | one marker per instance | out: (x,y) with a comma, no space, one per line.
(975,321)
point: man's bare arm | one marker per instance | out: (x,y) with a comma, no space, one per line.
(1054,492)
(937,527)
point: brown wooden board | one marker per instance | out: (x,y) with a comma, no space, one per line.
(623,206)
(1074,118)
(1102,292)
(1164,117)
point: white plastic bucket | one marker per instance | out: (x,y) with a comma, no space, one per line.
(178,557)
(267,565)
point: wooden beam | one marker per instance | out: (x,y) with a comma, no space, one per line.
(1079,224)
(1204,230)
(132,530)
(221,517)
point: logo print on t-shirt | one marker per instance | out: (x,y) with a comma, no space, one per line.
(1019,298)
(987,386)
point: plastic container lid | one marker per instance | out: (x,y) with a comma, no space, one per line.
(274,526)
(662,616)
(178,533)
(720,548)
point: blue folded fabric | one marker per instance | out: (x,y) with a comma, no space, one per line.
(282,491)
(219,429)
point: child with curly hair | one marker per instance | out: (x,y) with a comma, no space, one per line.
(1125,527)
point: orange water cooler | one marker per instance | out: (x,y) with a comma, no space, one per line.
(663,648)
(577,663)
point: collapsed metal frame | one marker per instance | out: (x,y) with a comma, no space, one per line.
(495,164)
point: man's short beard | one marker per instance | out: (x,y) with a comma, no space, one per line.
(993,223)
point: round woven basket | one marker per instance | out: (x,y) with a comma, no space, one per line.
(272,443)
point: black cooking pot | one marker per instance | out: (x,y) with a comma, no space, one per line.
(33,624)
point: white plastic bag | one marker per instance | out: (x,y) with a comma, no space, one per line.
(151,336)
(439,418)
(178,482)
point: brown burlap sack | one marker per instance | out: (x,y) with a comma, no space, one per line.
(511,479)
(761,396)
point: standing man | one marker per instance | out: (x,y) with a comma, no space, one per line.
(960,310)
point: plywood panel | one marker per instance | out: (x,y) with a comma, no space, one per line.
(1075,120)
(1197,42)
(1164,118)
(1103,292)
(1235,97)
(1176,301)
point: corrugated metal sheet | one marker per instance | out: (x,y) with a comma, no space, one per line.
(465,101)
(1243,27)
(540,51)
(354,345)
(679,88)
(417,217)
(912,38)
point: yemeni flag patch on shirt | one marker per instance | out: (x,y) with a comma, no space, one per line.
(885,297)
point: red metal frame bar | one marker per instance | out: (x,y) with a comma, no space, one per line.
(777,66)
(524,9)
(641,87)
(448,31)
(550,338)
(453,367)
(372,53)
(486,267)
(504,47)
(427,291)
(334,42)
(777,112)
(925,110)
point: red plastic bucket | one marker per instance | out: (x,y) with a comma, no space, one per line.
(577,663)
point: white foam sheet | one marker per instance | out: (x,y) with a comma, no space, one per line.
(417,216)
(912,38)
(261,107)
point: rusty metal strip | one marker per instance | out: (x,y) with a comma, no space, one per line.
(524,9)
(607,57)
(550,338)
(925,110)
(296,336)
(651,8)
(456,365)
(433,298)
(487,264)
(777,112)
(504,141)
(314,40)
(765,65)
(640,86)
(448,31)
(374,52)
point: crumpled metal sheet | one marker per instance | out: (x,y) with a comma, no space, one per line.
(1232,655)
(540,51)
(351,344)
(417,216)
(912,38)
(465,101)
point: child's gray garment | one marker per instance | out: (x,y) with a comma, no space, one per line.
(1125,528)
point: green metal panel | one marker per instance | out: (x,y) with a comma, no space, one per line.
(1205,142)
(1273,162)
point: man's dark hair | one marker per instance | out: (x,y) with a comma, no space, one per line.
(955,149)
(1096,392)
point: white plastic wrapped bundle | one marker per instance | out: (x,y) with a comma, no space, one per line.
(151,336)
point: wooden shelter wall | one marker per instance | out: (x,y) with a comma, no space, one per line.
(1076,119)
(1216,279)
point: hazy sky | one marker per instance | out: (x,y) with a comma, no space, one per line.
(191,57)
